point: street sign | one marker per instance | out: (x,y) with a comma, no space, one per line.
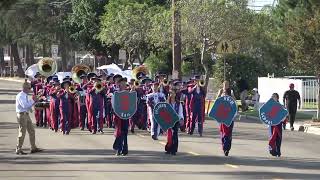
(54,50)
(272,113)
(224,110)
(224,47)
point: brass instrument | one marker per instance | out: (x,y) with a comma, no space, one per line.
(201,83)
(47,66)
(138,70)
(72,89)
(98,86)
(136,83)
(165,82)
(172,96)
(79,70)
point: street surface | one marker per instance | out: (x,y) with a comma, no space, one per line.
(84,156)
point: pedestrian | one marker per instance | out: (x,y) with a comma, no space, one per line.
(225,131)
(275,134)
(243,89)
(290,99)
(23,107)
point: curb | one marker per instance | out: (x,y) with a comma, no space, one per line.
(306,128)
(12,79)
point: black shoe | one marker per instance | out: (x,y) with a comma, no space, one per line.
(100,131)
(173,153)
(226,153)
(37,124)
(132,131)
(36,150)
(154,137)
(200,134)
(82,129)
(118,154)
(93,132)
(21,153)
(292,128)
(124,154)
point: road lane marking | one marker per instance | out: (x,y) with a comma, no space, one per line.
(193,153)
(232,166)
(277,179)
(163,143)
(141,135)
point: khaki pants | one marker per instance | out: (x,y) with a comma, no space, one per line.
(243,96)
(25,124)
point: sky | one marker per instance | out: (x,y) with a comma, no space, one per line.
(258,4)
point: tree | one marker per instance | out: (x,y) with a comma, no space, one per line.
(205,23)
(128,23)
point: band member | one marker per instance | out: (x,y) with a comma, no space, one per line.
(275,135)
(187,99)
(47,89)
(139,117)
(107,102)
(120,144)
(54,105)
(172,134)
(95,107)
(67,102)
(152,99)
(146,90)
(225,131)
(197,109)
(40,92)
(88,87)
(83,113)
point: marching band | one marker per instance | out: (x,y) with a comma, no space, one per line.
(85,100)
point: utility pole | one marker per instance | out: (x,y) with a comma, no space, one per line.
(176,41)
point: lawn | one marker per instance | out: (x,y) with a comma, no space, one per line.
(300,115)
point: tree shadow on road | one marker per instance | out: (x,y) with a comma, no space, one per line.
(101,156)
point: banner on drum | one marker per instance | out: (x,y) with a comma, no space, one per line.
(165,115)
(124,104)
(224,110)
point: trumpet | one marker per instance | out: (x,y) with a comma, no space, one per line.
(202,83)
(165,82)
(72,89)
(98,86)
(136,83)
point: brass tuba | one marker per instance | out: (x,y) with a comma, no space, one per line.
(138,70)
(47,66)
(79,70)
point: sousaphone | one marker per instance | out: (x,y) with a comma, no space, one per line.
(79,70)
(47,66)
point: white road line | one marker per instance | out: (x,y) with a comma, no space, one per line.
(193,153)
(232,166)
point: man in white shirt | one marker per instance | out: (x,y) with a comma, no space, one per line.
(23,107)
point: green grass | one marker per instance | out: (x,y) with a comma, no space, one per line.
(299,116)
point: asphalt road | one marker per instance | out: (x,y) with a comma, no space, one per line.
(84,156)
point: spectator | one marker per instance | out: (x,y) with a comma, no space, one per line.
(243,89)
(254,99)
(290,99)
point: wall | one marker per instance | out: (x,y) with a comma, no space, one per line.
(268,86)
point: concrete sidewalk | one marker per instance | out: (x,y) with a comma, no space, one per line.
(12,79)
